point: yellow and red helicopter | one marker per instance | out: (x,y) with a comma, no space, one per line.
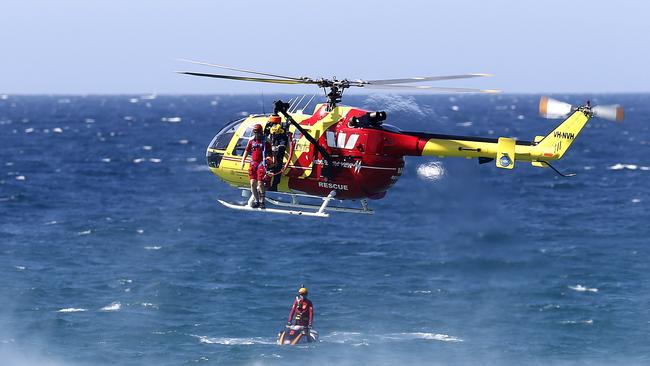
(347,153)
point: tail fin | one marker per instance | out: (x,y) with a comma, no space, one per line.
(558,141)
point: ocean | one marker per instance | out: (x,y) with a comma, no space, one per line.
(114,251)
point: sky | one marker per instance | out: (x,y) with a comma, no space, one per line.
(134,46)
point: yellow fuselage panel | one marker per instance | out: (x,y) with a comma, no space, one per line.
(230,170)
(477,149)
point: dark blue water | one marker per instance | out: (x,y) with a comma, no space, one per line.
(113,249)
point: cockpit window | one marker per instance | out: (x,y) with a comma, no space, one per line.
(223,137)
(243,141)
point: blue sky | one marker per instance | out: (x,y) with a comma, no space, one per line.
(133,46)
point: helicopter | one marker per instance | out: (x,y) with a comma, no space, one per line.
(340,152)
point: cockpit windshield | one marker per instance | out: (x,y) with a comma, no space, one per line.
(223,137)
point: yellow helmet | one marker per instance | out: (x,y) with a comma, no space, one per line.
(276,129)
(303,291)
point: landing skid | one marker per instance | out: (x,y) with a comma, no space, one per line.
(314,210)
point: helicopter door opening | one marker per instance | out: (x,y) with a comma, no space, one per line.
(220,143)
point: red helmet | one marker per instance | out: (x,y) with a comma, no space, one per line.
(275,118)
(257,128)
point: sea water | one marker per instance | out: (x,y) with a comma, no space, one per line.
(113,249)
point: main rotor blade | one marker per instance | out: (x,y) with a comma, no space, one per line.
(419,79)
(247,78)
(240,70)
(434,88)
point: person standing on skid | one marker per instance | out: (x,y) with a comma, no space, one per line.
(259,149)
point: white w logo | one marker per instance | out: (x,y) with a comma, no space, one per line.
(340,141)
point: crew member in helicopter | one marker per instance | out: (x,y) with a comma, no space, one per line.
(276,133)
(259,148)
(303,310)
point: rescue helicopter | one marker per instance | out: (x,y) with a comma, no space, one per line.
(347,153)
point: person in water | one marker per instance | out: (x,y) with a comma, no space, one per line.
(303,310)
(259,149)
(275,132)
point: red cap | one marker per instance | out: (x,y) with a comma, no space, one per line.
(257,128)
(274,118)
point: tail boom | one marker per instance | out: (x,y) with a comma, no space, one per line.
(543,149)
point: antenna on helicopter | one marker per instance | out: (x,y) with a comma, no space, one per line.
(334,88)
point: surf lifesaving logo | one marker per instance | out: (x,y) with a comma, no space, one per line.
(341,140)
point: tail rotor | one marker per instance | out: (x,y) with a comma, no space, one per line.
(553,109)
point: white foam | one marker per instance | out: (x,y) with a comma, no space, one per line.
(619,166)
(106,160)
(89,120)
(57,130)
(149,305)
(431,171)
(29,130)
(421,291)
(581,288)
(589,321)
(433,337)
(138,160)
(172,119)
(636,200)
(153,247)
(85,232)
(455,108)
(134,100)
(232,341)
(341,337)
(140,231)
(464,124)
(147,147)
(155,160)
(71,310)
(20,268)
(183,141)
(20,177)
(190,160)
(114,306)
(645,168)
